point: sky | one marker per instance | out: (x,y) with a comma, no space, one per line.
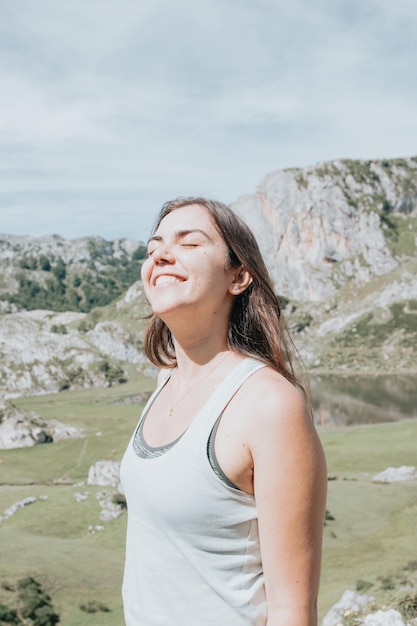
(108,108)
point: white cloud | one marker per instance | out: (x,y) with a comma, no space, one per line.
(107,104)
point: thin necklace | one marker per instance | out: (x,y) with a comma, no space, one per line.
(174,404)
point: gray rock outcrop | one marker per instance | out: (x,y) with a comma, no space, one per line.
(104,473)
(385,618)
(14,508)
(350,601)
(69,250)
(20,429)
(35,359)
(323,225)
(109,509)
(396,474)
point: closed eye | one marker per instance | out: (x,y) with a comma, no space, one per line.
(153,245)
(190,241)
(184,238)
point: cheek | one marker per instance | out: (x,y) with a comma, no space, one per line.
(145,273)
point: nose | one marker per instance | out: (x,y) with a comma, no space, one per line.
(163,254)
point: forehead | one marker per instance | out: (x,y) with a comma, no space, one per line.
(192,216)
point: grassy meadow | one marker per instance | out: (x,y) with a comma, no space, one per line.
(370,541)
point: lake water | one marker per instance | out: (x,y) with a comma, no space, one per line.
(345,400)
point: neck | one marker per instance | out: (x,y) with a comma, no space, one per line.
(198,339)
(197,335)
(202,375)
(195,356)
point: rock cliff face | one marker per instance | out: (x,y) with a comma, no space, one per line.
(335,222)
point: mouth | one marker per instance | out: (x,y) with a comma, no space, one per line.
(165,279)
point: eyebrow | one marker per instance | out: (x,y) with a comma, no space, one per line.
(182,233)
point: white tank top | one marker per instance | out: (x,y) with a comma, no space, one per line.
(192,545)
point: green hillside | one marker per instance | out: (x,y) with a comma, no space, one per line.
(366,543)
(54,282)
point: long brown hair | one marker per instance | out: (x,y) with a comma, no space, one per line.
(256,327)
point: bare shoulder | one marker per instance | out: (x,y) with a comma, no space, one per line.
(274,410)
(273,397)
(280,434)
(268,427)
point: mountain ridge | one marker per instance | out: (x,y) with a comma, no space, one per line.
(339,238)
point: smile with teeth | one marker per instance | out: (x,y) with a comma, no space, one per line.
(166,280)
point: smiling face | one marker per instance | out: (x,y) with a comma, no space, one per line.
(187,269)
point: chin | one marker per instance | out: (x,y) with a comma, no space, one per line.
(166,309)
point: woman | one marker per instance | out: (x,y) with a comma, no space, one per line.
(225,477)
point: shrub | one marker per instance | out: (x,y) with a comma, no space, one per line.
(44,263)
(363,585)
(303,322)
(60,270)
(408,606)
(283,301)
(119,500)
(60,329)
(28,263)
(390,224)
(7,586)
(97,282)
(9,616)
(386,207)
(387,582)
(112,373)
(140,253)
(45,616)
(84,326)
(350,619)
(35,603)
(94,607)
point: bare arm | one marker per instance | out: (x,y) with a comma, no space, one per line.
(290,482)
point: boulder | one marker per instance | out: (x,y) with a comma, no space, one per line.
(104,473)
(350,601)
(396,474)
(110,510)
(385,618)
(20,429)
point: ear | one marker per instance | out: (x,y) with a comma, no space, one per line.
(240,281)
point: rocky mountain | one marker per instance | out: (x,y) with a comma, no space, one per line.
(334,223)
(340,240)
